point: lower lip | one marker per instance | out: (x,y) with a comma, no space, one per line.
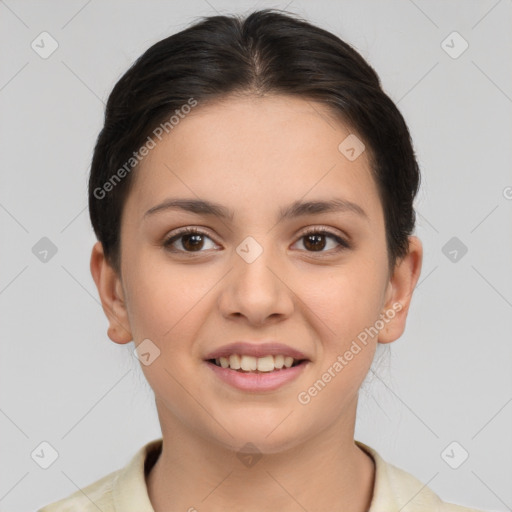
(258,381)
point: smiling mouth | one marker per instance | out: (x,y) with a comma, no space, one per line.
(250,364)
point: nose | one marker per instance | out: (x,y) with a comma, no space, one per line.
(257,290)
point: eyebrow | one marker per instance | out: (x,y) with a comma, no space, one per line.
(296,209)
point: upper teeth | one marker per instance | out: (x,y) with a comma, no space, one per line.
(250,363)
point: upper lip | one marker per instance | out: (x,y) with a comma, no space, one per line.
(259,349)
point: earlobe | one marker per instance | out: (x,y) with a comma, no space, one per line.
(111,294)
(399,293)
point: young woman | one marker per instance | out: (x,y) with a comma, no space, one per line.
(252,193)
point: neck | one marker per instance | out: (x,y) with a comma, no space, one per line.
(326,473)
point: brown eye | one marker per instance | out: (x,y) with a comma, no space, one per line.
(314,242)
(317,241)
(193,241)
(190,240)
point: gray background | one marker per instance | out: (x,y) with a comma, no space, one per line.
(447,379)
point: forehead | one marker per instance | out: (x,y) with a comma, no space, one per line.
(255,152)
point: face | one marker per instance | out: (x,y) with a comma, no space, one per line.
(265,272)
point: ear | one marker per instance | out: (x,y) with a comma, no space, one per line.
(112,296)
(399,292)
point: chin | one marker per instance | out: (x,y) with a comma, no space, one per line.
(264,436)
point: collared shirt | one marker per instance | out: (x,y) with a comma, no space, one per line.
(125,490)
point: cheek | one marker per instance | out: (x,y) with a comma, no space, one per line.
(345,313)
(347,301)
(163,299)
(165,307)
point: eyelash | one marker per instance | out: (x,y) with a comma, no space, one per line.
(343,244)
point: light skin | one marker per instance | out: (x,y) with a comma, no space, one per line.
(255,156)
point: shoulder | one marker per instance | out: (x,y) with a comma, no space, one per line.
(122,490)
(396,489)
(451,507)
(97,495)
